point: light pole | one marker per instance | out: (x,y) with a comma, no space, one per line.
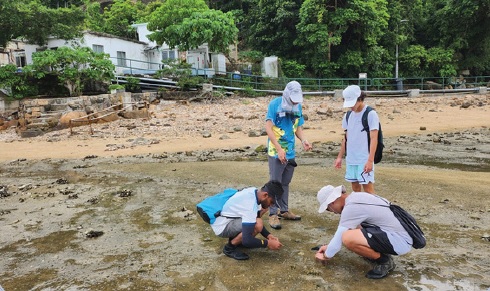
(399,86)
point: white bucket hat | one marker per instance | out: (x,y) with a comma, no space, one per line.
(350,94)
(327,195)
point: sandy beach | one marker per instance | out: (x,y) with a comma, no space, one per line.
(116,210)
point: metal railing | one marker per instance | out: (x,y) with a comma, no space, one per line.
(243,81)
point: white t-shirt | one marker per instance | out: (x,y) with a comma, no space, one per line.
(242,205)
(357,143)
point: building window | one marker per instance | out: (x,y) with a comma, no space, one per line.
(20,61)
(121,59)
(168,55)
(98,48)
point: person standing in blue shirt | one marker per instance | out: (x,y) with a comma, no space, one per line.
(284,122)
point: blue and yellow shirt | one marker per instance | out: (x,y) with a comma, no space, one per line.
(284,126)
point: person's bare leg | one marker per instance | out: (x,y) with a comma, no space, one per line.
(368,188)
(356,187)
(355,241)
(237,240)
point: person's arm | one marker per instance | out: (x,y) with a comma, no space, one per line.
(299,134)
(281,154)
(249,241)
(340,156)
(326,252)
(373,135)
(335,243)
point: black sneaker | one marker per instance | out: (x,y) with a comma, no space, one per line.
(232,252)
(381,270)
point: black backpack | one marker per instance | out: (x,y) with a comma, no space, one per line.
(378,154)
(407,221)
(410,225)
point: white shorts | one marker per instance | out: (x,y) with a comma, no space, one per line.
(355,173)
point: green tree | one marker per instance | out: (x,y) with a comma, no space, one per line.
(165,20)
(213,27)
(15,82)
(34,22)
(186,24)
(73,66)
(271,27)
(119,17)
(94,19)
(61,3)
(336,37)
(463,26)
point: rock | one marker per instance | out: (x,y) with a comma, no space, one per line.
(423,128)
(253,134)
(65,119)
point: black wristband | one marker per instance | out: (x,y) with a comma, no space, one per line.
(265,233)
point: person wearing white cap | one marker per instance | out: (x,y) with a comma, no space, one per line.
(355,144)
(284,122)
(365,228)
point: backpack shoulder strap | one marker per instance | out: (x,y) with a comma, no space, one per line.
(365,123)
(347,116)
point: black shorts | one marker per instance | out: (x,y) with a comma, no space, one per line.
(377,239)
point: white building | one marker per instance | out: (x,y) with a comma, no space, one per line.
(124,53)
(13,54)
(203,62)
(141,56)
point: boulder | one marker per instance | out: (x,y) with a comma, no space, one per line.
(65,119)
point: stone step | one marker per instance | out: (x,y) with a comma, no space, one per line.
(59,107)
(38,125)
(31,133)
(51,114)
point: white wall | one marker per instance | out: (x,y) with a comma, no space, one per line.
(134,50)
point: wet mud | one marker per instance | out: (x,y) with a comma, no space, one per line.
(129,223)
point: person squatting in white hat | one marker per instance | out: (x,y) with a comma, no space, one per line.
(367,227)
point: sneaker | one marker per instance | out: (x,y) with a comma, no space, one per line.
(233,252)
(274,222)
(289,216)
(381,270)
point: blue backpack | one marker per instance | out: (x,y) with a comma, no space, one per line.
(211,207)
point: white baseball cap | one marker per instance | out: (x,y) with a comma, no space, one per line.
(327,195)
(350,94)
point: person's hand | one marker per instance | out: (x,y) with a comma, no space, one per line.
(263,211)
(273,244)
(368,167)
(338,163)
(281,155)
(306,145)
(271,237)
(320,255)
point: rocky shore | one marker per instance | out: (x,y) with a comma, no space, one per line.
(116,210)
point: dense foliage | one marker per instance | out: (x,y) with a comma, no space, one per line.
(317,38)
(72,66)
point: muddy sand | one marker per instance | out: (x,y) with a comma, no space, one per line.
(116,210)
